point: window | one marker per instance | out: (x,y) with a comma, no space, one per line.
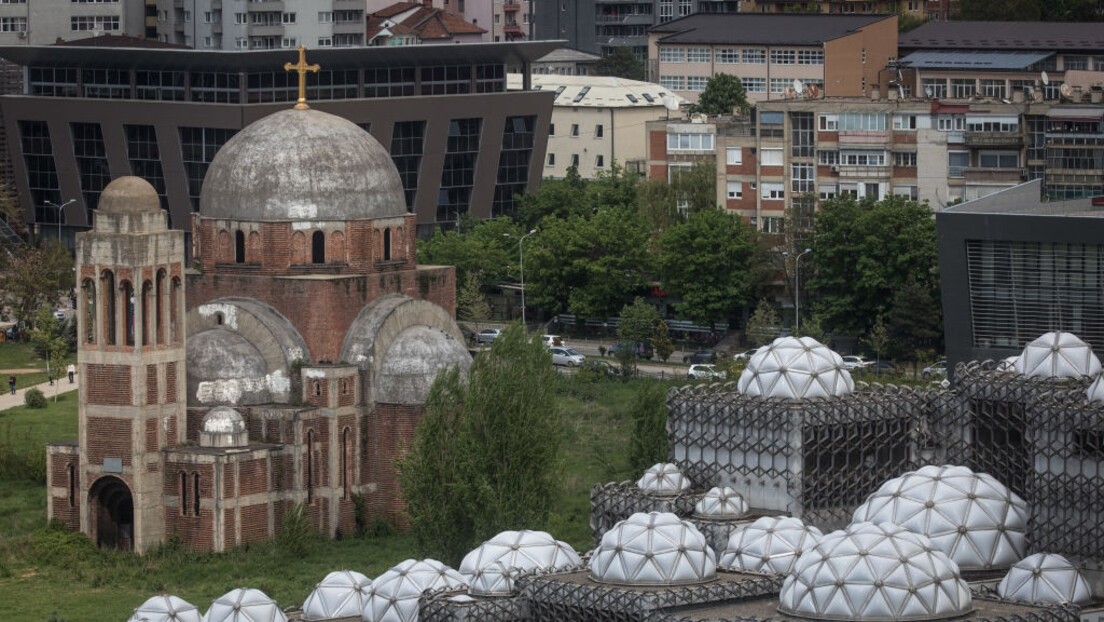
(575,160)
(734,156)
(827,158)
(198,146)
(446,80)
(241,43)
(755,85)
(782,57)
(698,55)
(106,83)
(42,179)
(904,122)
(188,16)
(863,122)
(696,83)
(862,158)
(675,83)
(599,161)
(513,164)
(582,93)
(574,130)
(95,22)
(934,87)
(551,129)
(909,192)
(802,177)
(672,55)
(407,141)
(290,42)
(551,160)
(963,88)
(993,123)
(727,56)
(241,18)
(458,172)
(957,161)
(810,57)
(801,134)
(905,159)
(598,131)
(690,142)
(325,17)
(755,57)
(773,192)
(999,159)
(826,191)
(993,88)
(208,42)
(951,122)
(779,85)
(864,55)
(829,123)
(735,189)
(770,157)
(288,18)
(13,24)
(91,157)
(1075,63)
(325,42)
(208,17)
(773,224)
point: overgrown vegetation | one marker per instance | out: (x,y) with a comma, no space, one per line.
(34,398)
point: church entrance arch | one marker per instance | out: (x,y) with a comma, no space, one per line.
(112,509)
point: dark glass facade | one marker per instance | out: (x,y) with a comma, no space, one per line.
(42,178)
(458,173)
(198,146)
(407,143)
(91,156)
(513,164)
(144,156)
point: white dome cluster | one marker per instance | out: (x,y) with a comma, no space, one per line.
(663,478)
(771,544)
(1057,355)
(394,595)
(721,502)
(653,549)
(795,368)
(874,572)
(1045,579)
(341,594)
(166,609)
(491,568)
(244,605)
(970,516)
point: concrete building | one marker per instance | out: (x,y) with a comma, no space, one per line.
(218,25)
(460,141)
(42,22)
(597,121)
(209,400)
(837,55)
(566,62)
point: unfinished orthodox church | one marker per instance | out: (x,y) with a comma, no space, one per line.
(287,365)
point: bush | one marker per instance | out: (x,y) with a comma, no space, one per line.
(297,534)
(34,398)
(648,444)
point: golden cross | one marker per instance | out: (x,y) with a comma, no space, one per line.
(302,68)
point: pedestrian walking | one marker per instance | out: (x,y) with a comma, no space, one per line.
(11,383)
(72,369)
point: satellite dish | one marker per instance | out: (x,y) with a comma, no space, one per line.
(669,102)
(1037,96)
(798,87)
(1045,78)
(929,92)
(1065,90)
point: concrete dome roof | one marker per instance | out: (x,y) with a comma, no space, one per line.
(129,195)
(1045,579)
(340,595)
(166,608)
(224,420)
(871,572)
(795,368)
(653,549)
(971,517)
(771,544)
(1057,355)
(225,368)
(298,165)
(413,361)
(663,478)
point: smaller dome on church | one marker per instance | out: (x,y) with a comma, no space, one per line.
(223,426)
(129,195)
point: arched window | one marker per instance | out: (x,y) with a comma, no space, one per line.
(88,306)
(345,463)
(318,247)
(239,246)
(218,319)
(318,387)
(147,304)
(224,250)
(174,312)
(298,248)
(159,304)
(183,493)
(72,472)
(310,466)
(387,245)
(107,286)
(128,302)
(195,493)
(337,247)
(253,248)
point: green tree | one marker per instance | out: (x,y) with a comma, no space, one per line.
(866,251)
(638,321)
(696,187)
(471,304)
(705,262)
(662,343)
(49,340)
(657,206)
(33,277)
(878,338)
(763,325)
(622,63)
(914,321)
(484,458)
(648,443)
(559,198)
(724,93)
(487,248)
(811,327)
(10,212)
(1003,11)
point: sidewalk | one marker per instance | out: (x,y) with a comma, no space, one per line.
(7,400)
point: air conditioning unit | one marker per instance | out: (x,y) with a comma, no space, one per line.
(22,34)
(835,168)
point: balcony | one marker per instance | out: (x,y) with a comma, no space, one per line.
(864,172)
(178,4)
(512,29)
(863,137)
(216,5)
(993,139)
(630,19)
(266,6)
(216,29)
(348,28)
(511,7)
(976,174)
(956,138)
(1074,138)
(266,30)
(178,26)
(1074,176)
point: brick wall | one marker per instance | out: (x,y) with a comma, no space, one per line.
(170,383)
(107,385)
(252,477)
(229,525)
(170,432)
(254,522)
(318,392)
(151,434)
(66,512)
(108,437)
(390,427)
(151,384)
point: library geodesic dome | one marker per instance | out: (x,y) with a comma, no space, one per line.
(795,368)
(394,594)
(1057,355)
(871,572)
(1095,392)
(244,605)
(971,517)
(721,502)
(166,608)
(1045,579)
(515,551)
(341,594)
(663,478)
(653,549)
(771,544)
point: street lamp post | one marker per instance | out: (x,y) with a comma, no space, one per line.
(521,267)
(60,210)
(797,289)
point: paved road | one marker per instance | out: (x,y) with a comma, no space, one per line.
(7,400)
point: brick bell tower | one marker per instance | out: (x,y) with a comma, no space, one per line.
(131,353)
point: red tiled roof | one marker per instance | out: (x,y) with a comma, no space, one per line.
(427,22)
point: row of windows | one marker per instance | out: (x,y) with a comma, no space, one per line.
(160,303)
(599,160)
(94,22)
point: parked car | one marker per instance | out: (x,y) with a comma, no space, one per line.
(552,340)
(59,314)
(487,335)
(602,368)
(569,357)
(703,356)
(706,372)
(643,349)
(881,368)
(935,370)
(745,355)
(855,361)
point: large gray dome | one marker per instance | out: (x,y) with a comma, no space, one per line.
(224,368)
(302,165)
(412,362)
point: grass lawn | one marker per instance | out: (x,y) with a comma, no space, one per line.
(21,355)
(43,571)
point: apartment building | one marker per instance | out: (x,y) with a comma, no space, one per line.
(566,62)
(597,121)
(42,22)
(774,54)
(260,24)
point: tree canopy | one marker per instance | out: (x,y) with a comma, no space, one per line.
(723,94)
(622,63)
(1030,10)
(33,277)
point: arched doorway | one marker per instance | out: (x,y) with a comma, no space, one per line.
(112,513)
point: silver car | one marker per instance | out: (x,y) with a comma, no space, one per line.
(569,357)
